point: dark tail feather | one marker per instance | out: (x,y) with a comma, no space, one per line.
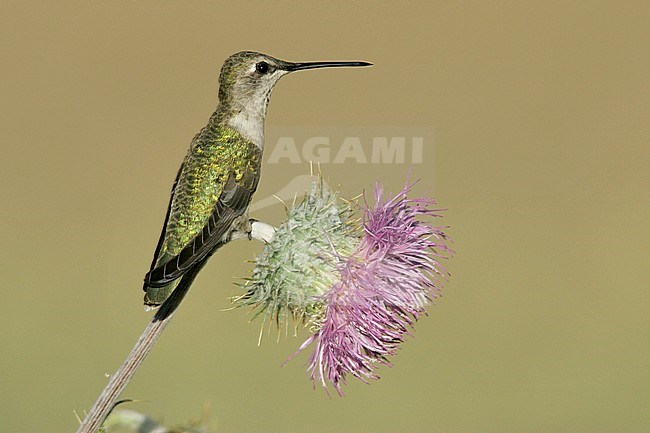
(168,305)
(175,299)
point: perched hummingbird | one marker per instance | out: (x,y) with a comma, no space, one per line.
(217,179)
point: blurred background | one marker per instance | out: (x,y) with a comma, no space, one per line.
(536,140)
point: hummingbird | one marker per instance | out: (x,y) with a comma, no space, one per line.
(214,186)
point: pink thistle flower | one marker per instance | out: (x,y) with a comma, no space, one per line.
(359,287)
(384,287)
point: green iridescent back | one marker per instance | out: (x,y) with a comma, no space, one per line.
(216,153)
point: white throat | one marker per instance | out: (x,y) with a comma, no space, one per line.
(250,126)
(250,107)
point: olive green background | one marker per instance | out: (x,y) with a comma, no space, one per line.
(541,117)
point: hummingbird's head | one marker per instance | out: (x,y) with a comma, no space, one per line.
(247,79)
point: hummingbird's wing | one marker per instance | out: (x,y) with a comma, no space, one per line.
(232,203)
(161,240)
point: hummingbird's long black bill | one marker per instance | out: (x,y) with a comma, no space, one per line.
(315,65)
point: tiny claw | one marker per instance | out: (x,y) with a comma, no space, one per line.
(249,228)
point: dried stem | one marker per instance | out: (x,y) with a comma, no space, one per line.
(123,375)
(106,400)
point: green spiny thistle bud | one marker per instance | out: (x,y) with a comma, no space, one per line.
(300,264)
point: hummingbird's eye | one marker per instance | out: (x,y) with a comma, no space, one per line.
(262,67)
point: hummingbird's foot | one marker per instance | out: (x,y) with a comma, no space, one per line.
(262,231)
(253,229)
(249,228)
(241,228)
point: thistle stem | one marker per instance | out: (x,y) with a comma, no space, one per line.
(118,381)
(123,375)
